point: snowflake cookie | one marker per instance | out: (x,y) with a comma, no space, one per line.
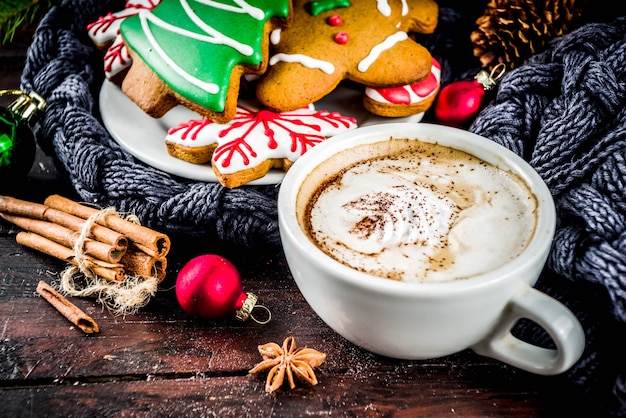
(254,141)
(105,34)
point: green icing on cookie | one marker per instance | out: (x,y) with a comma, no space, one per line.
(193,45)
(319,6)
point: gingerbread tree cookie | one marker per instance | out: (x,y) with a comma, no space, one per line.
(194,52)
(328,41)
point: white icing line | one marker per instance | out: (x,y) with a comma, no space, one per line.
(243,8)
(275,36)
(144,16)
(383,7)
(142,4)
(305,60)
(216,37)
(388,43)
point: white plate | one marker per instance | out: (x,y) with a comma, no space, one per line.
(144,136)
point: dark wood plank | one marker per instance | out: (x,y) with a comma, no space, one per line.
(163,361)
(242,396)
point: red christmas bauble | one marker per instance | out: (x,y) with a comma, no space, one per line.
(459,102)
(209,286)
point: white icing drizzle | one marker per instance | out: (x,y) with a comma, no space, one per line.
(388,43)
(383,7)
(214,37)
(144,16)
(243,8)
(275,36)
(405,8)
(305,60)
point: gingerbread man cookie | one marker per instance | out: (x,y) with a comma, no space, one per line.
(328,41)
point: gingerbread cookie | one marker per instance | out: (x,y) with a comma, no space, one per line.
(105,34)
(365,41)
(254,141)
(405,100)
(194,52)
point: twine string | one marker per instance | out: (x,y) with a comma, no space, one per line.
(124,297)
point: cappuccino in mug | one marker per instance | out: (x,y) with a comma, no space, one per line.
(463,228)
(415,211)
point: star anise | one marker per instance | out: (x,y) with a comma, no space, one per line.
(287,361)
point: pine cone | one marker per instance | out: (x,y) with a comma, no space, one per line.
(510,31)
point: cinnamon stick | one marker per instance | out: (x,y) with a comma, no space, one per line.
(157,244)
(13,206)
(139,263)
(108,271)
(67,308)
(55,226)
(66,237)
(17,207)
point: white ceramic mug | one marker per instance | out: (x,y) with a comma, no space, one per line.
(427,320)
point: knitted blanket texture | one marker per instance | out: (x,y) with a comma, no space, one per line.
(564,111)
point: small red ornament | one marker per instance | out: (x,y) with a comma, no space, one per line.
(341,38)
(209,286)
(461,101)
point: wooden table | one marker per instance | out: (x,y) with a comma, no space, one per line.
(161,362)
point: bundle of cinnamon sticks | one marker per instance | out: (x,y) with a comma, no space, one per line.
(112,247)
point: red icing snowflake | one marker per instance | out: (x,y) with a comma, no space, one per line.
(253,135)
(105,31)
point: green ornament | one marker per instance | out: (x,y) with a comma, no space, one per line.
(17,141)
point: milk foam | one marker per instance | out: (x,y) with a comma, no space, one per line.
(423,216)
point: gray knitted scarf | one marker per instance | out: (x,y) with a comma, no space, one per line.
(564,111)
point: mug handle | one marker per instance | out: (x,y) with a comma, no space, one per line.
(554,317)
